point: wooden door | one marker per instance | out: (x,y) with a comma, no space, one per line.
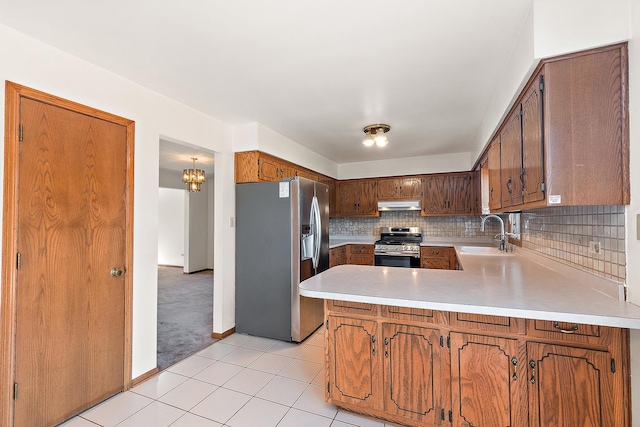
(434,195)
(348,194)
(354,367)
(411,188)
(532,143)
(368,200)
(388,188)
(511,161)
(572,387)
(460,193)
(488,381)
(269,169)
(73,189)
(415,374)
(495,185)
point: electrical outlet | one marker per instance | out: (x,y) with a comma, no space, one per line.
(594,247)
(352,228)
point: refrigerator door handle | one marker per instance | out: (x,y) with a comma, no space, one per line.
(317,238)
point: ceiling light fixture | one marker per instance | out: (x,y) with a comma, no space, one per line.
(193,177)
(375,134)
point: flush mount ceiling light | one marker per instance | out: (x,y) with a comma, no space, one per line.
(375,134)
(193,177)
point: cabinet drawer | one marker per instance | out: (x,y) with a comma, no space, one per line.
(413,314)
(436,263)
(360,249)
(567,328)
(362,259)
(363,308)
(571,331)
(435,251)
(487,322)
(338,251)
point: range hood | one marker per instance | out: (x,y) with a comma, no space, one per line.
(399,205)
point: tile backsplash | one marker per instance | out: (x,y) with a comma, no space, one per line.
(560,233)
(433,226)
(564,234)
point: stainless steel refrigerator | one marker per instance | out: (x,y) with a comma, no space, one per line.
(282,238)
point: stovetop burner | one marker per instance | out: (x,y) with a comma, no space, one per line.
(398,239)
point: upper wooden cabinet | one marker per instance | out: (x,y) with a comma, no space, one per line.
(356,197)
(448,194)
(566,140)
(399,188)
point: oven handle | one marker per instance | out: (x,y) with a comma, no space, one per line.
(396,253)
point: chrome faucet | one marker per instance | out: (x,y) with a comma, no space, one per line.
(501,235)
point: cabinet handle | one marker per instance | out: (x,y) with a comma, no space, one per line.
(532,363)
(565,331)
(514,361)
(508,184)
(386,350)
(373,345)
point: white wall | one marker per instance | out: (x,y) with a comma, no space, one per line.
(32,63)
(564,26)
(171,207)
(408,166)
(196,234)
(210,223)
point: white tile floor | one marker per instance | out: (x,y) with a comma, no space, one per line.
(241,381)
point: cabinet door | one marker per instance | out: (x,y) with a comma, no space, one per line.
(410,188)
(362,259)
(488,381)
(435,197)
(572,387)
(532,144)
(495,186)
(415,374)
(436,263)
(354,372)
(246,166)
(368,201)
(460,194)
(269,169)
(388,188)
(348,193)
(511,161)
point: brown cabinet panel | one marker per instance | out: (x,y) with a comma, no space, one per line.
(448,194)
(532,144)
(410,188)
(388,188)
(399,188)
(486,322)
(495,184)
(414,314)
(337,256)
(586,127)
(360,255)
(511,161)
(246,166)
(415,373)
(306,173)
(438,257)
(269,168)
(435,195)
(571,386)
(353,362)
(357,198)
(488,381)
(352,307)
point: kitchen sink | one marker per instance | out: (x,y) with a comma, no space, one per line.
(483,250)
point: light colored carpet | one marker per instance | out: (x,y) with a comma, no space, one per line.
(185,314)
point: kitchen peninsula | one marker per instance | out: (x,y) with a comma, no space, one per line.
(504,341)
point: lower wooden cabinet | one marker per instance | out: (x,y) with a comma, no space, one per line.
(337,256)
(414,368)
(360,255)
(438,257)
(427,369)
(353,362)
(573,387)
(488,381)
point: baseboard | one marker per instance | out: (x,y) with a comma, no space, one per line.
(225,334)
(198,271)
(144,377)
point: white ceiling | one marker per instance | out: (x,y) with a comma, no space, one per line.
(314,71)
(178,157)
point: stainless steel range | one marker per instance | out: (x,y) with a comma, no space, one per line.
(398,247)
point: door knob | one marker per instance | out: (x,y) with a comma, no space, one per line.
(116,272)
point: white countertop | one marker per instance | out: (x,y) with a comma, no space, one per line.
(511,285)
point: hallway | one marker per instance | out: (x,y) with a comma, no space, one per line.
(185,314)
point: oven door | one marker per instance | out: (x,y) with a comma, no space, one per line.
(404,260)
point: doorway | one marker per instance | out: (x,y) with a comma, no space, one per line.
(185,254)
(67,258)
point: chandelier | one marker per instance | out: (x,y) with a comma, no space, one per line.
(375,134)
(193,177)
